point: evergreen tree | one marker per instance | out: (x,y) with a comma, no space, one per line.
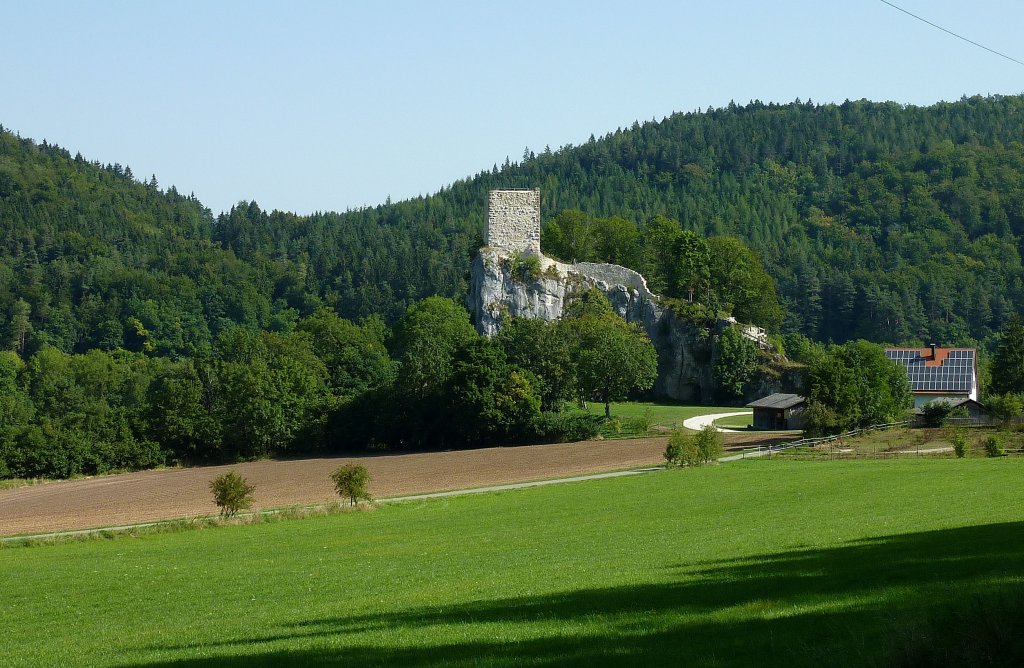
(1008,366)
(20,326)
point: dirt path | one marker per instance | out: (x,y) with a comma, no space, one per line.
(147,496)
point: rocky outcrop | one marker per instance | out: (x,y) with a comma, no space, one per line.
(505,285)
(686,353)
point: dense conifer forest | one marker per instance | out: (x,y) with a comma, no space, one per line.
(118,296)
(876,220)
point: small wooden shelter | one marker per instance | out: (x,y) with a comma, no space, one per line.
(779,412)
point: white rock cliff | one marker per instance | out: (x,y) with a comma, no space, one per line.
(499,290)
(502,286)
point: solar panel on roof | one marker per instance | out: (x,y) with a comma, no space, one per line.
(954,374)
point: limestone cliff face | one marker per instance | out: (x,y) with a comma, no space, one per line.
(686,352)
(498,290)
(511,277)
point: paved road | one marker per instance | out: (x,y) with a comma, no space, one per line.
(699,422)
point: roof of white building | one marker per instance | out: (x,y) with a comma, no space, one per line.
(938,370)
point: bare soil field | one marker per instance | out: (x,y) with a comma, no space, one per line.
(162,494)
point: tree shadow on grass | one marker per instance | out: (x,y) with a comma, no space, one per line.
(849,605)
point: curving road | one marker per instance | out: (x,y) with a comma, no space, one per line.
(699,422)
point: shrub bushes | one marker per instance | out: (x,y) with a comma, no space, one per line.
(820,420)
(1004,407)
(936,413)
(566,427)
(638,424)
(51,451)
(630,427)
(693,312)
(524,266)
(960,444)
(686,449)
(994,446)
(710,445)
(681,449)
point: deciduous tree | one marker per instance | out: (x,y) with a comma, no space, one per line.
(613,357)
(352,482)
(856,385)
(487,399)
(737,362)
(425,342)
(231,493)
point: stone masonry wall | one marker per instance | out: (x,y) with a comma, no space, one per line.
(613,274)
(513,221)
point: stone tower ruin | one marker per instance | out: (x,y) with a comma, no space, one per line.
(513,221)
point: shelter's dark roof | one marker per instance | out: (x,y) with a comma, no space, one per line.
(777,400)
(949,370)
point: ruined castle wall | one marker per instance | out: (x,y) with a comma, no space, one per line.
(513,221)
(613,274)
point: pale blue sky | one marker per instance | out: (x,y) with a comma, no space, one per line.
(308,106)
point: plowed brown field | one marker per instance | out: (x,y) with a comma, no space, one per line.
(177,493)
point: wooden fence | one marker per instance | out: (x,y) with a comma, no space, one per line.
(980,421)
(767,450)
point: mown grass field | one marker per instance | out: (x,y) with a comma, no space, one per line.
(662,414)
(737,422)
(750,563)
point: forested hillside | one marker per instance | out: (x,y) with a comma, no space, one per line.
(137,328)
(876,220)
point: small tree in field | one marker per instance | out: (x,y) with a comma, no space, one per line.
(612,357)
(686,449)
(961,447)
(681,449)
(709,444)
(352,481)
(994,446)
(936,413)
(1004,407)
(231,493)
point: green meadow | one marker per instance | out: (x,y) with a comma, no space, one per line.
(662,414)
(737,422)
(749,563)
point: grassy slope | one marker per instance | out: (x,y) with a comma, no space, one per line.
(665,414)
(738,422)
(903,441)
(753,562)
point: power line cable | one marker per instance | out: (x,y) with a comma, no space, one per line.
(969,41)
